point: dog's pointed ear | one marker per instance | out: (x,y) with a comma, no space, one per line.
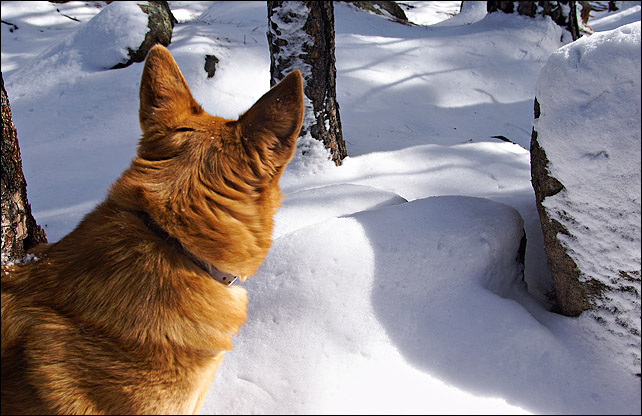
(165,98)
(271,126)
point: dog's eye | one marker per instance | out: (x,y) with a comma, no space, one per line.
(184,129)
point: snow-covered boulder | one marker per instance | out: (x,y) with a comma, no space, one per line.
(120,34)
(585,161)
(160,25)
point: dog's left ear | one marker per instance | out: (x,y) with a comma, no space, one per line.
(165,98)
(273,123)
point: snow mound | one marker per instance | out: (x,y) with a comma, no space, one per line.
(363,283)
(313,206)
(99,44)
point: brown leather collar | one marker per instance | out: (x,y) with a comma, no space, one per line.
(216,274)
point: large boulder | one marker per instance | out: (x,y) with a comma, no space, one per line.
(160,22)
(585,163)
(385,8)
(114,38)
(122,33)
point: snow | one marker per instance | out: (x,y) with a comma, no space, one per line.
(118,28)
(590,125)
(365,303)
(427,13)
(629,12)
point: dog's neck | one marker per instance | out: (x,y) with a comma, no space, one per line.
(154,227)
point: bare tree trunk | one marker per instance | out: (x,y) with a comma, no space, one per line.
(301,36)
(19,229)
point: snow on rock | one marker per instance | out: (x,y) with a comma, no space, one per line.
(99,44)
(589,127)
(106,39)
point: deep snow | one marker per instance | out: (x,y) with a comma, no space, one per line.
(366,303)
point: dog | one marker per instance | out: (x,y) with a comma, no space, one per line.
(132,311)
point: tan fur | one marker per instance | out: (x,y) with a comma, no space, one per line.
(112,319)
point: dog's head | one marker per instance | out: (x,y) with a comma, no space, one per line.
(211,183)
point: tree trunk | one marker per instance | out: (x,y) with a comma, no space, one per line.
(19,229)
(301,36)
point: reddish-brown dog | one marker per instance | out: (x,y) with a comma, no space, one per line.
(131,311)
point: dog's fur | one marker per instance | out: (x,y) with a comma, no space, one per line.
(115,319)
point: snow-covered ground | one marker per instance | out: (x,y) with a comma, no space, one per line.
(366,303)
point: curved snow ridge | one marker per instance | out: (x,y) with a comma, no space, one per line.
(312,206)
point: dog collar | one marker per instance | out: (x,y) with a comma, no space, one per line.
(153,226)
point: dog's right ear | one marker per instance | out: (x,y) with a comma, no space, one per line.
(165,98)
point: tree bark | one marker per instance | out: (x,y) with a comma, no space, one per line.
(301,36)
(19,229)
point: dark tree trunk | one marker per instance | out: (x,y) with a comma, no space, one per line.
(553,9)
(301,36)
(19,229)
(572,25)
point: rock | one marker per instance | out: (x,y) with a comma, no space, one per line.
(382,8)
(585,169)
(210,65)
(122,33)
(571,296)
(160,23)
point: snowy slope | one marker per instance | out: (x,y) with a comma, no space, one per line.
(366,303)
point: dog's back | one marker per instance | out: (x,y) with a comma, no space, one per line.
(127,313)
(110,322)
